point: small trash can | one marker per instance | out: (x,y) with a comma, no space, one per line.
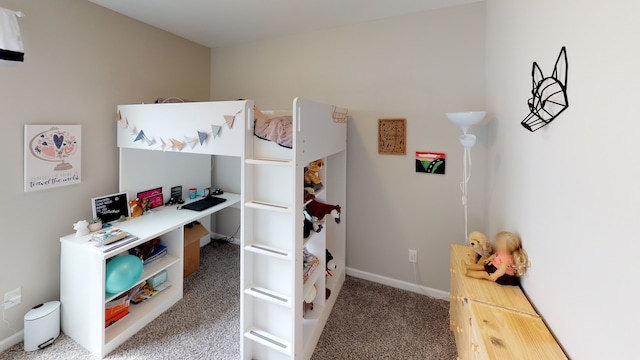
(41,326)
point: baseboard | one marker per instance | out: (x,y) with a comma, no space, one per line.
(11,340)
(399,284)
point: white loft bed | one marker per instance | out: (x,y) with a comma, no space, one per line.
(184,136)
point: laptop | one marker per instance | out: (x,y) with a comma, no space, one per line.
(204,204)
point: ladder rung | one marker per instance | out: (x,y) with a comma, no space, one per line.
(267,250)
(268,295)
(272,162)
(268,340)
(267,206)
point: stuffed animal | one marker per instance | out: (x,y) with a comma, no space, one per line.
(309,194)
(318,210)
(312,175)
(81,228)
(135,208)
(481,245)
(310,225)
(331,265)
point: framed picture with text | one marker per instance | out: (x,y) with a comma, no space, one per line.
(392,136)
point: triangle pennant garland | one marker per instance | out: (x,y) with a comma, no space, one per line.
(140,136)
(134,131)
(178,144)
(215,130)
(118,116)
(166,145)
(202,137)
(229,119)
(191,141)
(124,123)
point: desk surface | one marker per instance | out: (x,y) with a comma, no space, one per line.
(159,221)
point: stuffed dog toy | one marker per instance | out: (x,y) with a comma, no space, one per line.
(480,244)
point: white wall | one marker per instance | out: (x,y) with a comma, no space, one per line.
(417,67)
(571,190)
(81,61)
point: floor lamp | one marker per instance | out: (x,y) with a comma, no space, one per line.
(466,120)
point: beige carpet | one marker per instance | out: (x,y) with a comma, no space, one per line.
(369,321)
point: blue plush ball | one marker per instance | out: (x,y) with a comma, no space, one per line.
(122,273)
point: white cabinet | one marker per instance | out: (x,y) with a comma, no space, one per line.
(82,278)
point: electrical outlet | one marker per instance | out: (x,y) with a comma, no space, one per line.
(12,298)
(413,256)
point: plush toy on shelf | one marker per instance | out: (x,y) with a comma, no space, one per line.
(312,175)
(331,264)
(134,208)
(505,266)
(81,228)
(481,245)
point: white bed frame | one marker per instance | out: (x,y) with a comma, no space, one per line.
(272,288)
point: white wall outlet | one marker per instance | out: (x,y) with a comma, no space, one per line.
(413,256)
(12,298)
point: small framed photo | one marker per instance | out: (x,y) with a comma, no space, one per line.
(153,198)
(392,136)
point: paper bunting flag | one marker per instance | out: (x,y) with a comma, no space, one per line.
(134,131)
(118,116)
(166,145)
(140,136)
(229,119)
(150,142)
(191,141)
(215,130)
(203,137)
(178,144)
(124,123)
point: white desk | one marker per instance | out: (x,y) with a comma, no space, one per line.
(82,277)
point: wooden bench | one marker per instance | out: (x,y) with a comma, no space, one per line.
(492,321)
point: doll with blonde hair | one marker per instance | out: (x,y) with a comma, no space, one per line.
(506,265)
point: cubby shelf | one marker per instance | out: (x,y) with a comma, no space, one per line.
(149,271)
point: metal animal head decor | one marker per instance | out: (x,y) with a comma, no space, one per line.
(549,94)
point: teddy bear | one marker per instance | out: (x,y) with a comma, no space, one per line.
(312,175)
(481,245)
(135,208)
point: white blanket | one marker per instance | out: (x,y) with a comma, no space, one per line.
(10,39)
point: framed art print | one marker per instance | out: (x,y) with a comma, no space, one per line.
(392,136)
(51,156)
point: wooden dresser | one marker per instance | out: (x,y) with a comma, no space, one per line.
(492,321)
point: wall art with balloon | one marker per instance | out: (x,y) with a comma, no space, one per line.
(52,156)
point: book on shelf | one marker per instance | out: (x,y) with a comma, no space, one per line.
(158,252)
(129,238)
(108,236)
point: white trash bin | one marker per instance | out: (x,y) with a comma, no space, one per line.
(41,326)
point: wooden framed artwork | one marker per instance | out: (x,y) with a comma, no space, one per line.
(392,136)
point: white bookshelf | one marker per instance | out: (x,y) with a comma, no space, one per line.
(82,278)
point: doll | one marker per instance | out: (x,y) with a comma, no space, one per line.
(506,265)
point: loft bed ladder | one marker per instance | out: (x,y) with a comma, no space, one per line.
(271,267)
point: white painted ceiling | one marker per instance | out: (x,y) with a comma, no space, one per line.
(215,23)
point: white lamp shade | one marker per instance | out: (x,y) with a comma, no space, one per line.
(468,140)
(466,119)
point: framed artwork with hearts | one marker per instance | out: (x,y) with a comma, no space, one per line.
(52,156)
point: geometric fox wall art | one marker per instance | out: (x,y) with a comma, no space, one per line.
(549,94)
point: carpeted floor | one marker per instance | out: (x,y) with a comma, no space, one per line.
(369,321)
